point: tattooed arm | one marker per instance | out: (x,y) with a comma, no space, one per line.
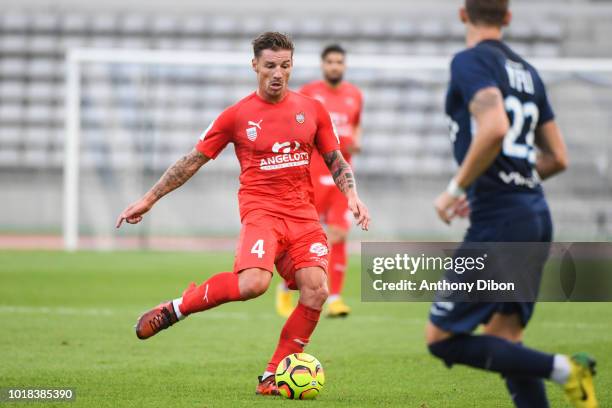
(341,171)
(345,180)
(173,178)
(178,174)
(492,124)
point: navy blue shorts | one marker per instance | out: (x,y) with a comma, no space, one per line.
(520,226)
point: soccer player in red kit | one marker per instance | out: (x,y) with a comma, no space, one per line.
(344,102)
(274,132)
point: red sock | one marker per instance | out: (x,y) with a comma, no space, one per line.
(337,267)
(295,334)
(220,288)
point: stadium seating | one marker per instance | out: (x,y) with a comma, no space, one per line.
(406,132)
(32,71)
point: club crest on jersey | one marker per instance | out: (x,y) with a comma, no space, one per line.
(251,132)
(300,117)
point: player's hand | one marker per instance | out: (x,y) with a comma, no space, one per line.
(134,212)
(462,208)
(449,207)
(360,211)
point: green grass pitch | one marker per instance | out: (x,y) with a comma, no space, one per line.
(67,321)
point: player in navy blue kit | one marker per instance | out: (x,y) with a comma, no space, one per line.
(499,113)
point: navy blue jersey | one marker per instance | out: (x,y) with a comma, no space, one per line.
(512,177)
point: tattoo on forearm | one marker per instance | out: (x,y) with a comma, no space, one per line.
(179,173)
(484,100)
(340,171)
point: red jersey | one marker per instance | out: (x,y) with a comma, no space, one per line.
(274,144)
(344,104)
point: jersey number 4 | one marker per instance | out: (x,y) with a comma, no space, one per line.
(258,248)
(521,112)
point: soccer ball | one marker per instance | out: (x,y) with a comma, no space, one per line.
(300,376)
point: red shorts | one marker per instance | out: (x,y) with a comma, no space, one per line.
(267,241)
(331,204)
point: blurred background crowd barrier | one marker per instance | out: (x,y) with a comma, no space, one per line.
(135,118)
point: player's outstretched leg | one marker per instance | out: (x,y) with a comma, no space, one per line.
(295,335)
(499,355)
(221,288)
(155,320)
(284,300)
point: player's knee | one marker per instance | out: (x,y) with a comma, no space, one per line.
(434,334)
(319,295)
(515,336)
(314,296)
(254,288)
(254,283)
(508,327)
(312,283)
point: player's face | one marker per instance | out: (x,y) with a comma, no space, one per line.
(333,67)
(273,69)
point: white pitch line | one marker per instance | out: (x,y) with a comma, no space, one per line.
(219,315)
(56,310)
(63,310)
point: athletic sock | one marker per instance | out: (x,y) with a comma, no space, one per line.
(176,304)
(493,354)
(337,267)
(527,392)
(562,369)
(220,288)
(295,334)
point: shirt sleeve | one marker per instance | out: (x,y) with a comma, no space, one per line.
(218,134)
(326,138)
(470,74)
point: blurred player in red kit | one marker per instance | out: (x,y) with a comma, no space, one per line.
(274,131)
(344,102)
